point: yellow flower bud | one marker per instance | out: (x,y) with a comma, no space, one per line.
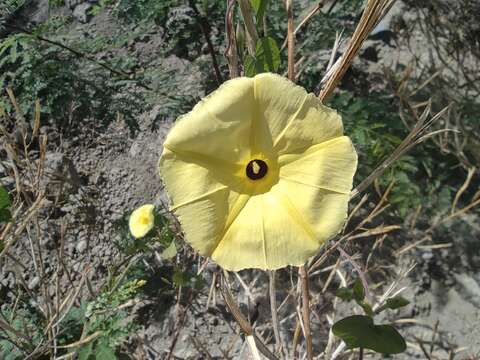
(141,220)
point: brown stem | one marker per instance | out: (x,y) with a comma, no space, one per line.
(231,50)
(273,308)
(290,41)
(306,310)
(307,18)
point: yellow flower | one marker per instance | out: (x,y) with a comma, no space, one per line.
(141,220)
(259,173)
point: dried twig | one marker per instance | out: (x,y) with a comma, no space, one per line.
(242,321)
(471,172)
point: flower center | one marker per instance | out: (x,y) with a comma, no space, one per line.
(256,169)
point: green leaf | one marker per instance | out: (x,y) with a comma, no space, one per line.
(240,38)
(344,293)
(85,352)
(366,307)
(252,66)
(259,6)
(360,331)
(4,198)
(268,54)
(104,351)
(180,278)
(170,251)
(358,290)
(5,204)
(397,302)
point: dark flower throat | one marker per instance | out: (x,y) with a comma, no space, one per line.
(256,169)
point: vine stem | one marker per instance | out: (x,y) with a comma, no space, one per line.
(303,272)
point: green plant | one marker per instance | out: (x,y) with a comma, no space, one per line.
(100,325)
(145,10)
(267,58)
(107,318)
(56,3)
(8,9)
(4,205)
(359,331)
(68,88)
(24,333)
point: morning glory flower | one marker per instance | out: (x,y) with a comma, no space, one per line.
(259,173)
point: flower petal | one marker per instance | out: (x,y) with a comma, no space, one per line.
(329,165)
(313,124)
(225,114)
(189,178)
(204,220)
(323,211)
(295,120)
(265,236)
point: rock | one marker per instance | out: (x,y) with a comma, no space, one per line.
(32,284)
(81,246)
(82,12)
(54,161)
(427,255)
(370,54)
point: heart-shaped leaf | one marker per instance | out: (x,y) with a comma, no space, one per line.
(359,331)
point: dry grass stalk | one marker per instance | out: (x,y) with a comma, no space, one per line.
(471,172)
(290,40)
(415,137)
(273,307)
(374,11)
